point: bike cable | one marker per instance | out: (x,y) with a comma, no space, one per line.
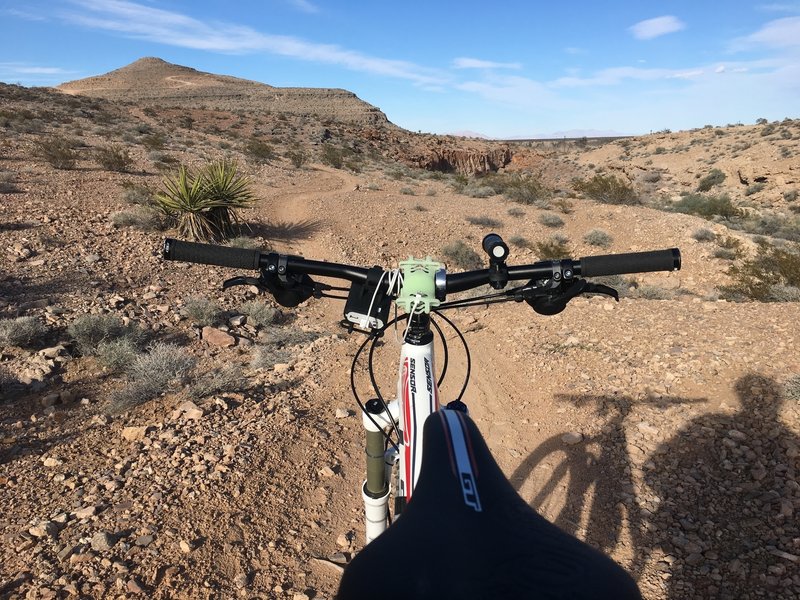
(466,351)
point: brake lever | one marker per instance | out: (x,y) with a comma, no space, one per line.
(242,280)
(551,302)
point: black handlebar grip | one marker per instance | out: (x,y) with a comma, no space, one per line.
(208,254)
(634,262)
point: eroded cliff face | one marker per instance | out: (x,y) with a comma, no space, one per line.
(465,161)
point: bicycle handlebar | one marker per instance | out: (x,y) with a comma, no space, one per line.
(588,266)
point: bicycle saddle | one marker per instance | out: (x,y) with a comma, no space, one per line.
(467,534)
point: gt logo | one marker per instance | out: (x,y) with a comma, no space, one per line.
(470,491)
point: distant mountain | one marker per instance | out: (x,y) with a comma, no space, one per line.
(155,81)
(571,133)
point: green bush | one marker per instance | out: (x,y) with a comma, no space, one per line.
(201,310)
(117,354)
(332,156)
(57,151)
(707,206)
(525,189)
(136,194)
(297,157)
(407,191)
(715,177)
(520,242)
(461,255)
(790,196)
(259,151)
(754,189)
(206,205)
(22,331)
(608,189)
(766,277)
(114,158)
(89,331)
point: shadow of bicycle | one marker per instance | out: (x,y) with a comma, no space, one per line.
(585,486)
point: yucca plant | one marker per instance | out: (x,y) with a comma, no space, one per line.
(206,204)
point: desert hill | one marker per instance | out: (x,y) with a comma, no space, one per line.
(162,438)
(151,80)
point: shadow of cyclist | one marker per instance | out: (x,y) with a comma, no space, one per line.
(726,521)
(586,488)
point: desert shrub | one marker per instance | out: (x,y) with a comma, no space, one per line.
(461,255)
(704,235)
(114,158)
(519,188)
(515,212)
(162,160)
(297,157)
(551,220)
(653,292)
(791,389)
(260,314)
(768,129)
(151,374)
(598,237)
(608,189)
(420,208)
(201,310)
(790,196)
(8,383)
(243,241)
(373,187)
(136,194)
(7,184)
(707,206)
(715,177)
(259,151)
(22,331)
(154,141)
(767,276)
(407,191)
(754,188)
(484,222)
(206,205)
(520,241)
(652,177)
(556,247)
(775,225)
(117,354)
(58,152)
(474,190)
(89,331)
(218,381)
(563,205)
(140,217)
(430,192)
(332,156)
(266,357)
(285,337)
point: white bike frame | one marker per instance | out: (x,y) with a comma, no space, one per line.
(417,399)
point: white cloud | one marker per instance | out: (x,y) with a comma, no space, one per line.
(175,29)
(475,63)
(305,6)
(15,68)
(781,33)
(653,28)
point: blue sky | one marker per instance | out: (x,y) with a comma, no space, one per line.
(510,69)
